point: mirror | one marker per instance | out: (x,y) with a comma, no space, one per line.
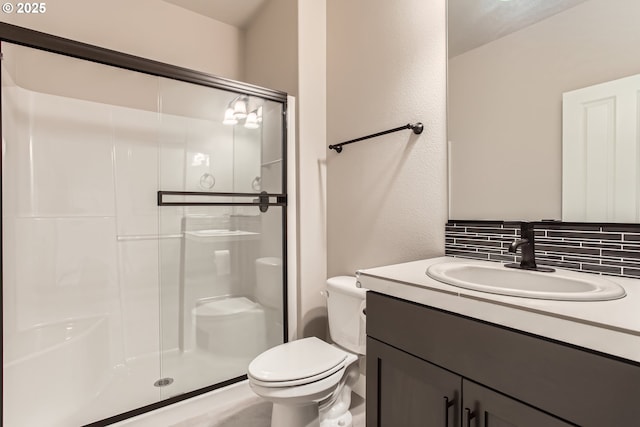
(510,62)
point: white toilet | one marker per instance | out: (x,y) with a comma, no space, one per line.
(309,381)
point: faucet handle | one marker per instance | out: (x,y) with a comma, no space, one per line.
(526,243)
(527,230)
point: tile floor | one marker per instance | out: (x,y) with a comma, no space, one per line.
(254,412)
(236,406)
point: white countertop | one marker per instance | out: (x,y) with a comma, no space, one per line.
(611,327)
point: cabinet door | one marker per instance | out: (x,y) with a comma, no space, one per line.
(403,390)
(483,407)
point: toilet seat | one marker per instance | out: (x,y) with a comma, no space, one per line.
(298,362)
(299,381)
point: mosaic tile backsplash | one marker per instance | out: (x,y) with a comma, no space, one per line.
(610,249)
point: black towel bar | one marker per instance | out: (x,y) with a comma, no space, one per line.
(417,128)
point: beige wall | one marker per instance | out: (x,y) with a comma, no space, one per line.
(386,196)
(285,49)
(148,28)
(271,47)
(505,105)
(312,124)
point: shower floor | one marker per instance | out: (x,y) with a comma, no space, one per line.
(132,386)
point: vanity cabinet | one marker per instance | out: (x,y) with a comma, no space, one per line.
(412,392)
(428,367)
(409,392)
(483,407)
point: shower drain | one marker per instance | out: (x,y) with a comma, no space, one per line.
(163,382)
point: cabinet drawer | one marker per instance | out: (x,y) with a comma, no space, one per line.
(583,387)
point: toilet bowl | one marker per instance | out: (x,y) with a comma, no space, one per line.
(309,381)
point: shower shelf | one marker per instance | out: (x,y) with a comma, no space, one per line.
(216,235)
(136,238)
(220,236)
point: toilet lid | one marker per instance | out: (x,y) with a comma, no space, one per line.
(294,360)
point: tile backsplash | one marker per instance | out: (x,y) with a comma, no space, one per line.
(611,249)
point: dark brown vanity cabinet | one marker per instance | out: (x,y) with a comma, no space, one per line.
(408,391)
(430,368)
(483,407)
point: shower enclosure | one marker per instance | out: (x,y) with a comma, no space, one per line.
(143,231)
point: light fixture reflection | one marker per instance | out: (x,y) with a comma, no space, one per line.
(238,109)
(252,121)
(229,118)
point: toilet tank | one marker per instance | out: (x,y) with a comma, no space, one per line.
(345,305)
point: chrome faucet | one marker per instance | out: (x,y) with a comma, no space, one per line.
(527,246)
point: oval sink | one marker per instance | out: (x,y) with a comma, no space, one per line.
(495,278)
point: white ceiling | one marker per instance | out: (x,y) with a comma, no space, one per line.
(233,12)
(472,23)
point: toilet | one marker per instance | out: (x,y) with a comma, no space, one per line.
(309,381)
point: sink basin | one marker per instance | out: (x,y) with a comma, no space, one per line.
(495,278)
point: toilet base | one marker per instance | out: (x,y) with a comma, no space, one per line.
(295,416)
(307,416)
(337,413)
(344,420)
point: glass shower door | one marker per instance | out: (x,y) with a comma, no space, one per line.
(221,212)
(116,297)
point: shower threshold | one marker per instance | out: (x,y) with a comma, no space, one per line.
(133,385)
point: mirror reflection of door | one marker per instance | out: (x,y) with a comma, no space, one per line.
(601,152)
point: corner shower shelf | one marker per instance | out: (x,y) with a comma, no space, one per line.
(220,235)
(139,237)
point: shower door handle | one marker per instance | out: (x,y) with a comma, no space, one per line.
(263,201)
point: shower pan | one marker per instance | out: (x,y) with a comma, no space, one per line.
(143,231)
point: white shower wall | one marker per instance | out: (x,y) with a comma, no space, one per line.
(85,221)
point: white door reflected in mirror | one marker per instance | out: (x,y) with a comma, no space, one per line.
(600,152)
